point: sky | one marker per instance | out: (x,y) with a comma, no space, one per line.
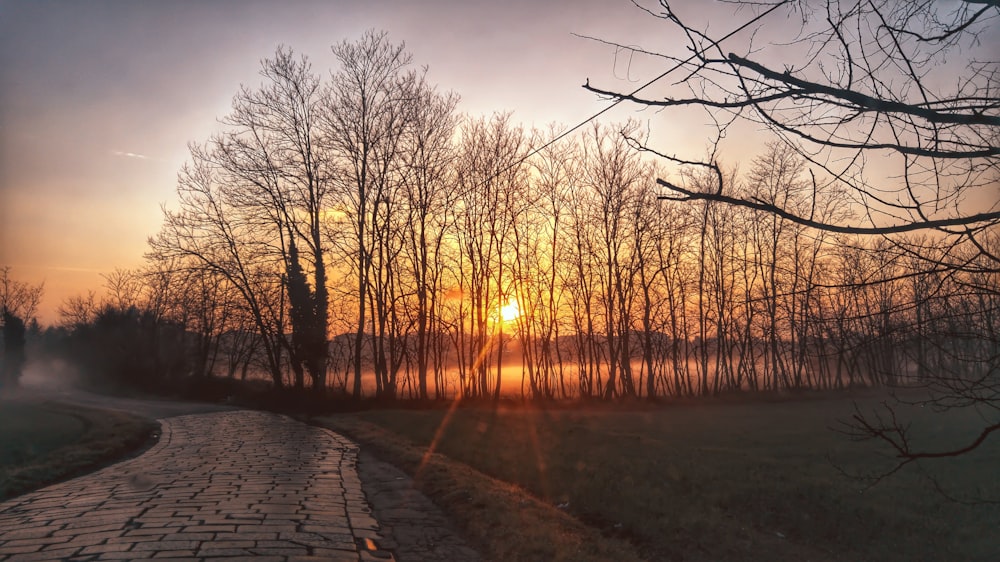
(99,99)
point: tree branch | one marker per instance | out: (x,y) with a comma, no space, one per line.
(867,102)
(688,195)
(668,102)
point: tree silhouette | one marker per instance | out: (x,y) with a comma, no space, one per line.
(366,114)
(18,301)
(19,297)
(13,350)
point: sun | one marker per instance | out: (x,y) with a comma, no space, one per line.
(510,311)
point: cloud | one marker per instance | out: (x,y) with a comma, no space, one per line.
(130,154)
(73,269)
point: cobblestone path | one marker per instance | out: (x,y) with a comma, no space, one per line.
(233,484)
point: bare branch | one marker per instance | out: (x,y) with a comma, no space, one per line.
(866,102)
(689,195)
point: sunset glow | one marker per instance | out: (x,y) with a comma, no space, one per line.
(510,311)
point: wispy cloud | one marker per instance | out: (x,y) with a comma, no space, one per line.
(44,267)
(73,269)
(130,154)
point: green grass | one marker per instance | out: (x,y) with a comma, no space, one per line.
(735,481)
(28,431)
(43,443)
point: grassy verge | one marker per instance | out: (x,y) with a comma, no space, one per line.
(693,481)
(500,519)
(43,443)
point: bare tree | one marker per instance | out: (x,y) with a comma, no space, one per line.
(615,174)
(491,175)
(18,297)
(252,209)
(78,310)
(367,113)
(208,233)
(427,184)
(908,85)
(541,266)
(276,167)
(18,304)
(123,288)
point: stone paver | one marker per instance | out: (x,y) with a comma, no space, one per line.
(233,484)
(413,527)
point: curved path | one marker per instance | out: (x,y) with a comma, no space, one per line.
(230,484)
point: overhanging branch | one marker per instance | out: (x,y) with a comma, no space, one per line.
(688,195)
(670,102)
(867,102)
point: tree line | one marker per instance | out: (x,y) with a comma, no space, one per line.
(357,233)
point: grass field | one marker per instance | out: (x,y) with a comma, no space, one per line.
(42,443)
(751,480)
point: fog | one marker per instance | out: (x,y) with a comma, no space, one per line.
(49,374)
